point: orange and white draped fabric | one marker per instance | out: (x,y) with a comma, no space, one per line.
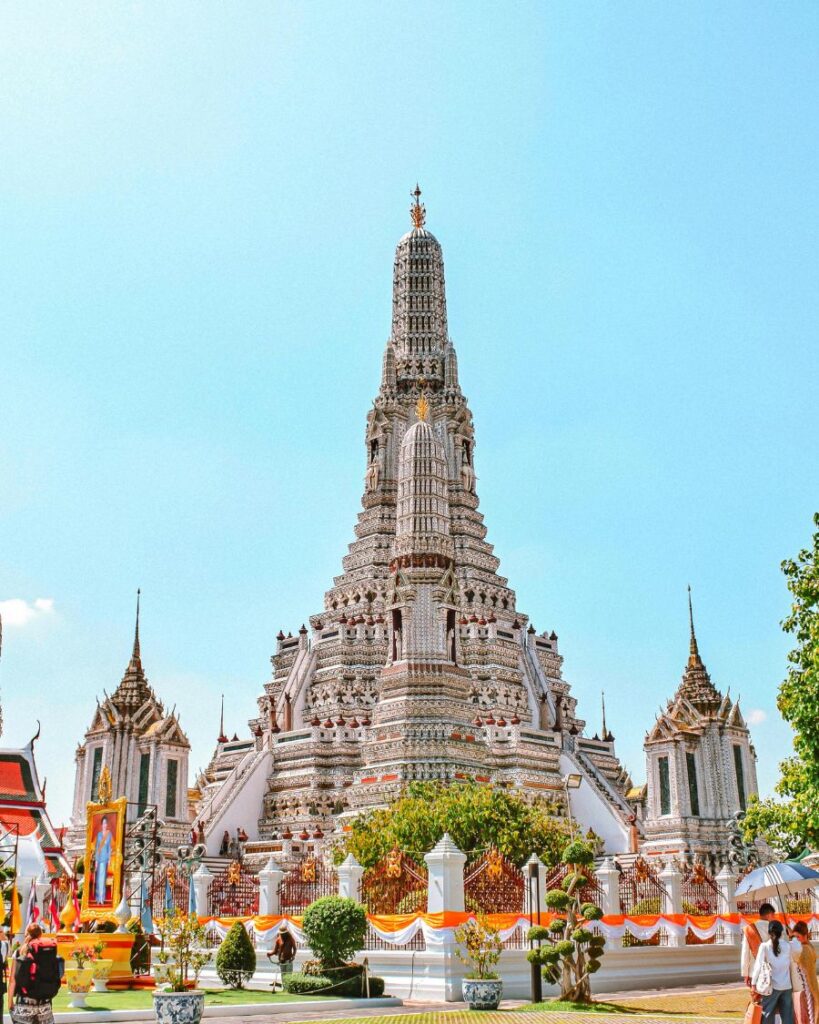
(400,929)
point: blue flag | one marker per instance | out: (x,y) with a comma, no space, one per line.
(192,897)
(145,916)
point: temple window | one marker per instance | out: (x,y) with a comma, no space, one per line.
(665,786)
(96,769)
(171,786)
(740,773)
(693,791)
(144,772)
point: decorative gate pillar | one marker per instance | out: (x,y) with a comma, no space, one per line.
(201,880)
(269,881)
(609,878)
(671,880)
(727,885)
(445,863)
(350,873)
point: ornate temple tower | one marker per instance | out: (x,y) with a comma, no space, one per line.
(419,666)
(701,767)
(145,751)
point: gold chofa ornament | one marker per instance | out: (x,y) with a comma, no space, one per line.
(418,211)
(494,864)
(104,786)
(234,872)
(307,871)
(422,408)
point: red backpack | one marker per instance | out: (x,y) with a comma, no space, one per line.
(38,972)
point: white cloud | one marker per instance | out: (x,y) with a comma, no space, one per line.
(18,612)
(756,716)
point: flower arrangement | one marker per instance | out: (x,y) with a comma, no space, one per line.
(83,955)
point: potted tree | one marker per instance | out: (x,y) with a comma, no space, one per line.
(180,1002)
(479,946)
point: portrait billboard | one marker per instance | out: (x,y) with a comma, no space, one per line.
(105,831)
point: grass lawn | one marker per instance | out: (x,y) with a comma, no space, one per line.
(140,999)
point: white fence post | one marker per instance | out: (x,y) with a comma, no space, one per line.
(609,878)
(727,885)
(445,864)
(671,880)
(350,873)
(201,880)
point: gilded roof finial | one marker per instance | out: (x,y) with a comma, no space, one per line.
(422,408)
(418,211)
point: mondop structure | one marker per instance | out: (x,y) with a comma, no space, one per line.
(420,664)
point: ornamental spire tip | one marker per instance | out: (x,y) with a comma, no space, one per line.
(418,211)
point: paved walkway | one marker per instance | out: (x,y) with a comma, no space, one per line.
(449,1013)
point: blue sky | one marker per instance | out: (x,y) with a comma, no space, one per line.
(200,203)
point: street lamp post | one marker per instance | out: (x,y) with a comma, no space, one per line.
(571,781)
(534,901)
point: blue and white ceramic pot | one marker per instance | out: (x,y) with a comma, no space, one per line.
(179,1007)
(482,993)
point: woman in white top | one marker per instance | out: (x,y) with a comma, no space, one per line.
(779,955)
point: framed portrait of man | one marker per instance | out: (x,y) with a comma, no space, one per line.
(105,831)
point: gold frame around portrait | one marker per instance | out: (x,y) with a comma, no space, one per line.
(118,807)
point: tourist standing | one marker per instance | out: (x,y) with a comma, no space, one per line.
(34,978)
(753,935)
(773,975)
(284,950)
(806,965)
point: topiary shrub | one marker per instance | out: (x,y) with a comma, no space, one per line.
(335,927)
(236,959)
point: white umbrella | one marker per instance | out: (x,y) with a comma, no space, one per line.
(789,876)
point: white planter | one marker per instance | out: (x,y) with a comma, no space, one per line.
(482,993)
(179,1007)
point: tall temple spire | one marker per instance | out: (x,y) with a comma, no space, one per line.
(696,685)
(135,655)
(222,738)
(133,688)
(605,731)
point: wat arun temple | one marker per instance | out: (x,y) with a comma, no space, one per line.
(420,666)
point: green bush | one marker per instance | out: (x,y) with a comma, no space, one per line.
(538,933)
(564,948)
(582,935)
(236,959)
(591,912)
(319,984)
(593,966)
(557,899)
(335,927)
(556,927)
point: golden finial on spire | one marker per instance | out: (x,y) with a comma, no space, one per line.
(422,408)
(418,211)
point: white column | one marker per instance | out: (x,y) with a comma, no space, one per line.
(727,885)
(672,898)
(445,864)
(201,881)
(269,879)
(609,878)
(350,873)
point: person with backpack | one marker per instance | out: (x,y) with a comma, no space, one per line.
(34,978)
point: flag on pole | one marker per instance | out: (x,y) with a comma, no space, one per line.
(75,899)
(16,918)
(53,909)
(145,915)
(33,908)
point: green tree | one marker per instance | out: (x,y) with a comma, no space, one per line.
(335,927)
(572,952)
(236,958)
(793,822)
(474,815)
